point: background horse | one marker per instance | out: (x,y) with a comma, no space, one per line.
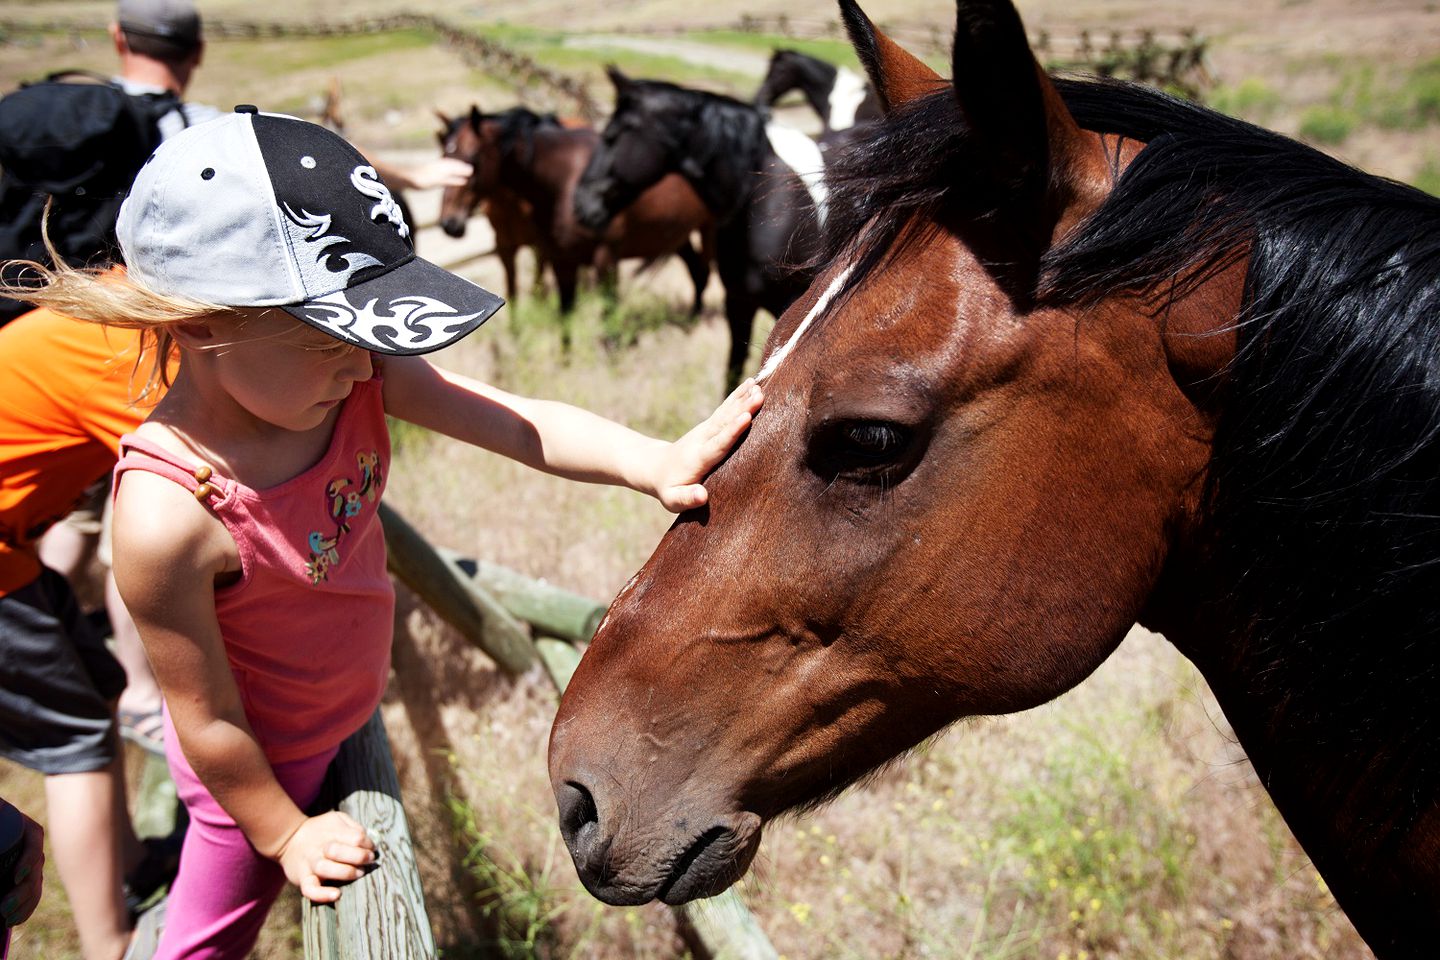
(1080,357)
(764,188)
(510,217)
(840,96)
(529,165)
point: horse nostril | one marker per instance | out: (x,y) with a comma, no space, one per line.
(579,820)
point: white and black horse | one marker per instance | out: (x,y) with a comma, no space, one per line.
(839,95)
(763,183)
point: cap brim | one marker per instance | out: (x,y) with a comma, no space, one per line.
(415,308)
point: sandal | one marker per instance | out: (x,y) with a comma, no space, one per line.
(144,728)
(158,867)
(145,939)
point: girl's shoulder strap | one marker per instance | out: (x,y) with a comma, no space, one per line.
(140,453)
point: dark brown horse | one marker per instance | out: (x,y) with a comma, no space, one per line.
(527,166)
(1082,355)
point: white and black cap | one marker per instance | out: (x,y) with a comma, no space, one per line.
(262,210)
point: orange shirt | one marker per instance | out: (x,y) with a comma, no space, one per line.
(66,398)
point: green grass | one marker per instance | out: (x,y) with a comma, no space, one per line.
(1099,847)
(517,899)
(549,48)
(274,56)
(1366,96)
(1427,178)
(834,51)
(1251,99)
(1327,125)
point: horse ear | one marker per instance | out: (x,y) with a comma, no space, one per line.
(616,77)
(476,117)
(897,75)
(1008,101)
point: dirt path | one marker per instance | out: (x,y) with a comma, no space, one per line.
(691,51)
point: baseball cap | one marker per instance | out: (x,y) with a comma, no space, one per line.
(174,23)
(258,209)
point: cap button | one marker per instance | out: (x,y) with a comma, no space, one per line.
(246,108)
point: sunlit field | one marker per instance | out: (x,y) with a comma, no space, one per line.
(1120,821)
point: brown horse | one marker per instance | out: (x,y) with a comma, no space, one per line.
(527,165)
(1083,354)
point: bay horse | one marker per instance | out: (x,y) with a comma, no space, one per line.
(838,95)
(526,162)
(1082,355)
(762,183)
(510,217)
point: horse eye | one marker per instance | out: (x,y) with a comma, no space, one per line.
(876,441)
(862,450)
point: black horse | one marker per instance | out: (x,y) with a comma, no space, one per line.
(839,95)
(769,211)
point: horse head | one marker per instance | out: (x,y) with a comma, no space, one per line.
(659,128)
(957,499)
(790,70)
(463,138)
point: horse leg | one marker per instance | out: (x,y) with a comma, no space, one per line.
(607,277)
(566,277)
(507,260)
(699,268)
(740,312)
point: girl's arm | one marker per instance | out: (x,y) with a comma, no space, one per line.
(166,569)
(565,440)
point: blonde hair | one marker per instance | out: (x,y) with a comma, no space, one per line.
(107,296)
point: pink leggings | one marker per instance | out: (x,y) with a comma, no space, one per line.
(224,889)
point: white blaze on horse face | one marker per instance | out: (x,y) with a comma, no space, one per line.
(845,98)
(802,155)
(778,356)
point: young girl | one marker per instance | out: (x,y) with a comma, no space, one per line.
(246,542)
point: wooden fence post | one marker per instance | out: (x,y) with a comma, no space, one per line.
(457,599)
(382,915)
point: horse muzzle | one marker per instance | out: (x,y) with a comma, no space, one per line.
(677,858)
(453,226)
(591,210)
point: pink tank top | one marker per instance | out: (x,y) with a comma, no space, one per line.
(307,627)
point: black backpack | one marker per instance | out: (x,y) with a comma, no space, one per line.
(81,139)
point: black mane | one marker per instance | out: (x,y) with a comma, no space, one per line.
(515,123)
(721,139)
(1324,489)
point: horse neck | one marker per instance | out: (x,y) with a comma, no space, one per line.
(1355,790)
(533,168)
(726,159)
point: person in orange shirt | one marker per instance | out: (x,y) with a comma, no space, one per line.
(68,392)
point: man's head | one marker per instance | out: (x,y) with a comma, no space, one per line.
(153,33)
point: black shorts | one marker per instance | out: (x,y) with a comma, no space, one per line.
(57,680)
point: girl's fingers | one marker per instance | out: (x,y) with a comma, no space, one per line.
(350,853)
(358,836)
(339,872)
(313,890)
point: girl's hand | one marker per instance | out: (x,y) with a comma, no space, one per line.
(683,464)
(332,846)
(21,902)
